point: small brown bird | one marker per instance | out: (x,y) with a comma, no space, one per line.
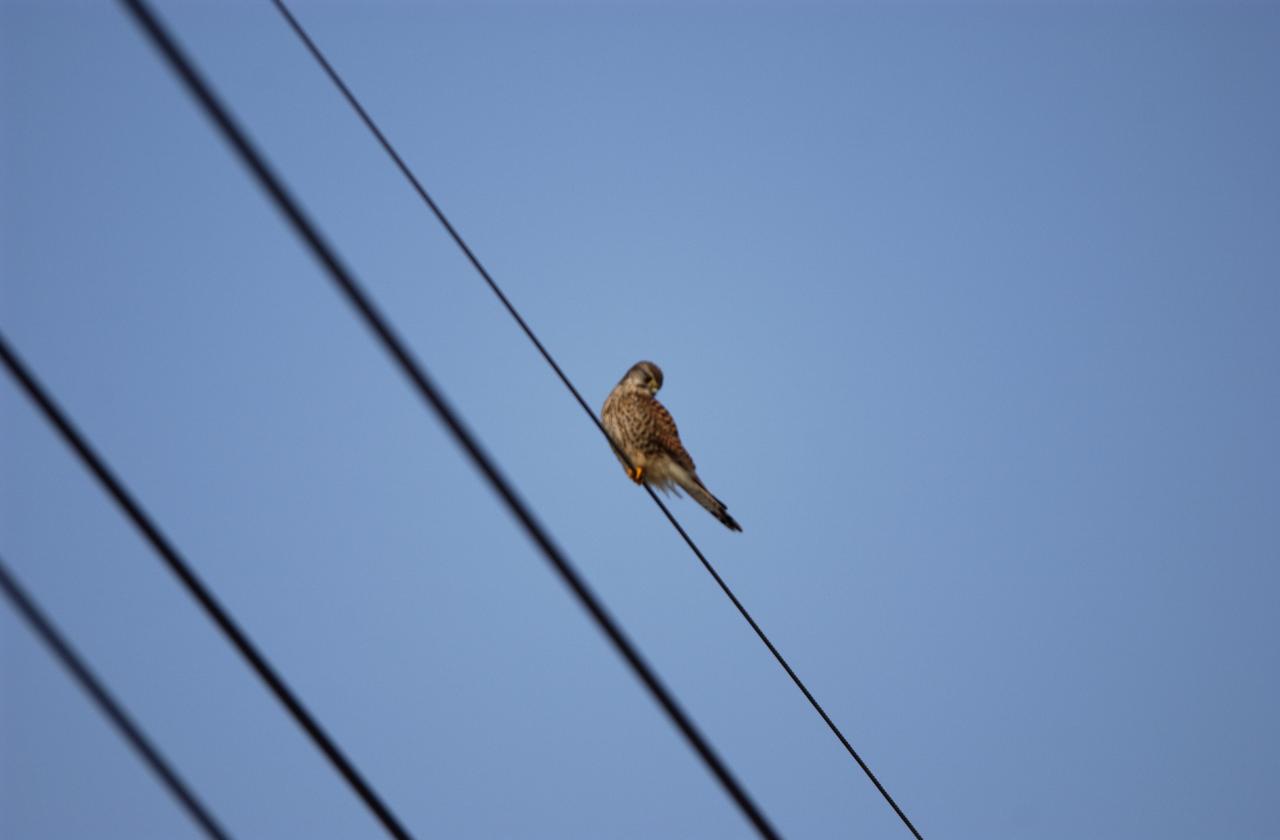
(644,430)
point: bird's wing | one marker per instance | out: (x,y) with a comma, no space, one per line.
(668,437)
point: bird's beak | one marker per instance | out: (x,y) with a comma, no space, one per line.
(653,388)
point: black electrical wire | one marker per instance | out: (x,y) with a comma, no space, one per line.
(397,349)
(94,687)
(488,279)
(133,509)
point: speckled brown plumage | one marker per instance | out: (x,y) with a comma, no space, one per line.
(643,429)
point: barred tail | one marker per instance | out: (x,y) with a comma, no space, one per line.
(716,507)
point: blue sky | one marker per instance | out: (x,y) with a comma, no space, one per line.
(971,314)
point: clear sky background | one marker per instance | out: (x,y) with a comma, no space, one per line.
(971,314)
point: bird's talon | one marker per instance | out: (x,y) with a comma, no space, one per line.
(636,473)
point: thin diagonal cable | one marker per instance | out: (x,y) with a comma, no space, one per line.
(180,568)
(479,267)
(417,376)
(94,687)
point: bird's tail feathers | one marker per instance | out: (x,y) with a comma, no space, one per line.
(703,496)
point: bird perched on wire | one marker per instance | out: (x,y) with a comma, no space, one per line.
(644,431)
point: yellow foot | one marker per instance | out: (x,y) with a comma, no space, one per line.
(636,474)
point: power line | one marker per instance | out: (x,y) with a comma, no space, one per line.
(48,633)
(397,349)
(488,279)
(212,607)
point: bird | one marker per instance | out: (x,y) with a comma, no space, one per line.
(642,430)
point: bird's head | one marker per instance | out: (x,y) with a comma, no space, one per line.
(644,376)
